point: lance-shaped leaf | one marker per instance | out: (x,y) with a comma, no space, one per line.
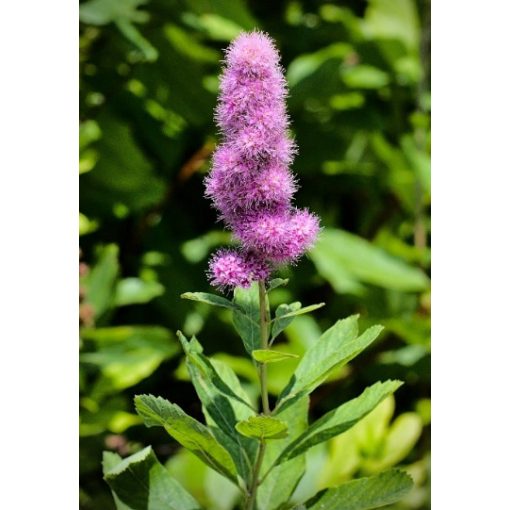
(285,314)
(277,282)
(247,317)
(280,322)
(339,420)
(210,299)
(140,482)
(190,433)
(270,356)
(280,482)
(224,403)
(301,311)
(262,427)
(195,358)
(336,347)
(364,493)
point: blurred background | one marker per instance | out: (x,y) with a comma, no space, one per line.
(359,101)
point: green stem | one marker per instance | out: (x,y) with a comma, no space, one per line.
(252,495)
(262,371)
(264,338)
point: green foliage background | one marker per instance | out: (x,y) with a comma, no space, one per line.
(359,101)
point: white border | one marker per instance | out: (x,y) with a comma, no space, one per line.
(39,254)
(471,254)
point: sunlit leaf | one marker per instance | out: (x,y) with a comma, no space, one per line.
(262,427)
(190,433)
(271,356)
(339,420)
(347,261)
(336,347)
(364,493)
(247,316)
(210,299)
(131,291)
(140,482)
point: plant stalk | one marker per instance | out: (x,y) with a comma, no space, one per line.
(262,371)
(264,338)
(252,496)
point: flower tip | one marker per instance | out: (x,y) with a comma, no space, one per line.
(255,47)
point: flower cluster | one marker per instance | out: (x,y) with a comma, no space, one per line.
(250,183)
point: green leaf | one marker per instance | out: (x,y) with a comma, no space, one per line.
(270,356)
(187,431)
(364,493)
(196,250)
(210,299)
(224,403)
(339,420)
(197,360)
(399,441)
(347,261)
(301,311)
(212,490)
(336,347)
(127,354)
(87,226)
(283,318)
(262,427)
(277,282)
(365,77)
(140,482)
(123,173)
(393,20)
(101,279)
(132,34)
(219,28)
(247,317)
(101,12)
(131,291)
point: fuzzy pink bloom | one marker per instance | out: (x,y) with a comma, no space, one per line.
(230,269)
(250,183)
(272,185)
(281,236)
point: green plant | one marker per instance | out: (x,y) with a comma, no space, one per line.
(262,454)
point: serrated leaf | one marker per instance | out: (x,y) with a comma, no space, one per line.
(364,493)
(210,299)
(262,427)
(271,356)
(336,347)
(280,322)
(222,405)
(246,317)
(130,291)
(277,282)
(140,482)
(190,433)
(196,359)
(341,419)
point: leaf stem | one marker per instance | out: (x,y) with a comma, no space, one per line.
(262,371)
